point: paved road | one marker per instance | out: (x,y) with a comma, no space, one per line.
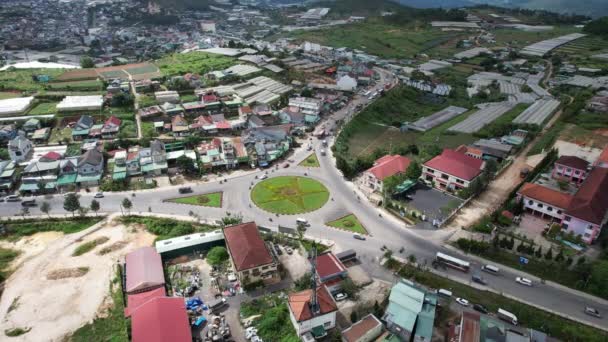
(384,230)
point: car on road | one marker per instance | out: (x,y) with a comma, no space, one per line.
(29,203)
(99,195)
(291,160)
(480,308)
(592,312)
(479,279)
(286,165)
(185,190)
(264,176)
(523,281)
(12,198)
(462,301)
(288,250)
(341,296)
(359,237)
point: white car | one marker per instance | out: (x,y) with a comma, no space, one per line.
(524,281)
(341,296)
(264,176)
(462,301)
(99,195)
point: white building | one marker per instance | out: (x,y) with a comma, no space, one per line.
(207,26)
(75,103)
(346,83)
(19,149)
(170,96)
(307,105)
(310,319)
(15,106)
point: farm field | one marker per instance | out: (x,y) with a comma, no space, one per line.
(289,195)
(8,95)
(213,199)
(520,38)
(21,79)
(43,108)
(385,40)
(348,222)
(76,85)
(581,51)
(195,62)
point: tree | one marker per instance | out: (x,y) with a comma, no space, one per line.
(353,316)
(45,207)
(539,252)
(71,203)
(87,62)
(414,171)
(127,204)
(122,100)
(95,206)
(41,186)
(490,167)
(549,254)
(217,255)
(186,165)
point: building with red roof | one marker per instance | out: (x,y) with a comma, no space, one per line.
(371,181)
(571,169)
(162,319)
(136,300)
(305,319)
(366,329)
(250,256)
(144,270)
(452,170)
(110,127)
(330,271)
(602,160)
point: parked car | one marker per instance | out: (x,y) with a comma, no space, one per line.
(480,308)
(12,198)
(524,281)
(185,190)
(359,237)
(99,195)
(29,203)
(286,165)
(340,296)
(479,279)
(592,312)
(278,250)
(462,301)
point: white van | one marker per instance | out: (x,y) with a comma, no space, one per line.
(507,316)
(490,269)
(444,293)
(302,221)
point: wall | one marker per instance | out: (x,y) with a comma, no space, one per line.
(457,183)
(588,231)
(305,326)
(555,212)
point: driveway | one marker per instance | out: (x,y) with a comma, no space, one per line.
(432,202)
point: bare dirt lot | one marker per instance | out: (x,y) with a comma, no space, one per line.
(50,292)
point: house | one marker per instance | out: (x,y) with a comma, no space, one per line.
(346,83)
(367,329)
(571,169)
(7,132)
(82,127)
(110,127)
(40,172)
(151,160)
(371,181)
(599,103)
(249,255)
(170,96)
(161,319)
(330,271)
(451,170)
(312,312)
(179,126)
(41,135)
(144,271)
(172,109)
(7,175)
(582,213)
(266,144)
(411,312)
(311,108)
(19,149)
(68,172)
(226,152)
(31,125)
(150,112)
(492,149)
(90,167)
(292,115)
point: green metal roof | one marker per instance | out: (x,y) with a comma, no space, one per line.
(405,302)
(118,168)
(67,179)
(80,132)
(318,331)
(405,186)
(153,166)
(91,178)
(119,175)
(424,324)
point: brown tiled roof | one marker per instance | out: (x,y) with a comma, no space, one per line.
(573,162)
(590,202)
(299,303)
(388,166)
(360,328)
(246,246)
(546,195)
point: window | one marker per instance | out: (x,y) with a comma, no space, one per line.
(530,202)
(577,172)
(327,324)
(540,205)
(567,218)
(559,211)
(549,208)
(564,226)
(459,181)
(587,235)
(444,176)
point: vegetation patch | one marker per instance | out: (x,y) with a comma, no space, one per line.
(289,195)
(311,161)
(43,108)
(14,332)
(213,199)
(113,247)
(348,222)
(7,256)
(196,62)
(88,246)
(64,273)
(167,228)
(17,229)
(273,323)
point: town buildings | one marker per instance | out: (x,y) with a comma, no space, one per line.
(451,170)
(371,180)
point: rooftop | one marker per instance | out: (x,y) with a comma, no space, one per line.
(456,164)
(299,303)
(246,246)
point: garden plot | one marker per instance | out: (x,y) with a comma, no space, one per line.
(538,112)
(485,115)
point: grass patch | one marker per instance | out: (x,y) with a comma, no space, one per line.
(112,327)
(21,79)
(18,229)
(546,141)
(60,134)
(195,62)
(88,246)
(148,130)
(76,85)
(14,332)
(213,199)
(43,108)
(529,316)
(274,323)
(311,161)
(348,222)
(167,228)
(289,195)
(7,256)
(8,95)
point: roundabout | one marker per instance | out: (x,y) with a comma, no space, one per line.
(289,195)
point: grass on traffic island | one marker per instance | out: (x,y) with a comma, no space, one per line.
(528,316)
(348,222)
(310,161)
(213,199)
(289,195)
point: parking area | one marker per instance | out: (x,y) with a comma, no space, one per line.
(436,205)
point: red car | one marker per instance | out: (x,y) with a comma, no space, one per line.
(286,165)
